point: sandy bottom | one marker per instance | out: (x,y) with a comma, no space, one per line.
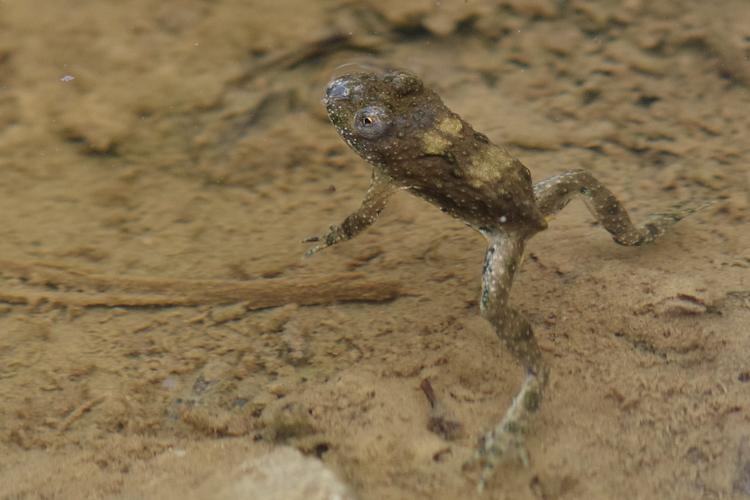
(159,326)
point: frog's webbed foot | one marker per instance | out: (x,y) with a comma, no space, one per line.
(553,194)
(657,223)
(501,444)
(506,442)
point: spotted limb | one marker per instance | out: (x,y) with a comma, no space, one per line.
(553,194)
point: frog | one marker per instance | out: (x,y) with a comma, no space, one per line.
(415,143)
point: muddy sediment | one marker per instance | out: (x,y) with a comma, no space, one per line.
(160,327)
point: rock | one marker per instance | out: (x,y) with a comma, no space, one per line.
(281,474)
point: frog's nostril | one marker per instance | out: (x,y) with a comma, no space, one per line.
(338,89)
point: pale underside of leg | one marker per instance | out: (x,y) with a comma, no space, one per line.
(503,258)
(553,194)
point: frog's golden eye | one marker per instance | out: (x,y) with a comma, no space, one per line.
(371,122)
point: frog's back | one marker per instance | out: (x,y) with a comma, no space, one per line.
(464,174)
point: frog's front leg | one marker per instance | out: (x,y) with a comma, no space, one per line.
(376,198)
(554,193)
(504,256)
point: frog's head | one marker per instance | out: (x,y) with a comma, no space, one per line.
(383,115)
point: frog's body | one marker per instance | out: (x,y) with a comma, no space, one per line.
(473,180)
(436,155)
(415,142)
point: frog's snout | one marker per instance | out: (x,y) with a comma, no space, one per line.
(337,89)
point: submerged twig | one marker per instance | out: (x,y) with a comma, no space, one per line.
(77,413)
(82,289)
(441,421)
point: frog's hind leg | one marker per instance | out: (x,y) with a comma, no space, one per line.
(554,193)
(503,258)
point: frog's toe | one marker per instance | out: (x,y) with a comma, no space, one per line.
(315,249)
(312,251)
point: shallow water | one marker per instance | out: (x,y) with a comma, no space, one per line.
(159,161)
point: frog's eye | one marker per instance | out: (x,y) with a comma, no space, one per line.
(371,122)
